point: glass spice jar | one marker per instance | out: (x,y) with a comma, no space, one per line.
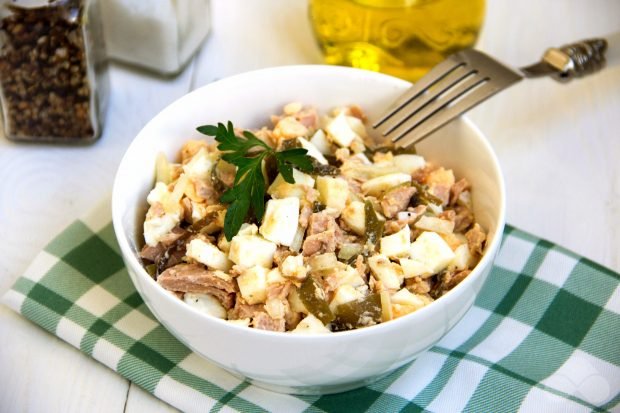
(53,74)
(157,35)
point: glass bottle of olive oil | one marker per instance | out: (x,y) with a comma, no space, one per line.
(403,38)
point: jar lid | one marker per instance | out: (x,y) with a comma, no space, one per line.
(31,4)
(70,9)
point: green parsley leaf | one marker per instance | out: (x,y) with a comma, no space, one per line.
(248,153)
(209,130)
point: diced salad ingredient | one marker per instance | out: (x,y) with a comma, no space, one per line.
(305,227)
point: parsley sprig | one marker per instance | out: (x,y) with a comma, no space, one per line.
(247,153)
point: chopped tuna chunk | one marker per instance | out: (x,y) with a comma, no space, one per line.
(323,234)
(448,215)
(279,290)
(264,321)
(280,255)
(463,219)
(360,266)
(243,310)
(195,278)
(321,222)
(152,254)
(396,200)
(417,285)
(205,190)
(440,182)
(319,243)
(460,186)
(308,117)
(393,226)
(356,111)
(304,215)
(475,239)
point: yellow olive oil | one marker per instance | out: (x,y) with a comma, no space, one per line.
(403,38)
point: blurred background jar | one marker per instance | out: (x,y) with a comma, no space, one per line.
(157,35)
(403,38)
(53,77)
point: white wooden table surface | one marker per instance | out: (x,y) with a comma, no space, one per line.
(559,146)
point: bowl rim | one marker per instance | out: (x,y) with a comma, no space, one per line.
(131,259)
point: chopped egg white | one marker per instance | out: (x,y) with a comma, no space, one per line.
(349,275)
(404,302)
(340,131)
(205,303)
(357,126)
(243,322)
(389,273)
(409,163)
(208,254)
(156,228)
(412,268)
(274,276)
(344,294)
(310,325)
(201,164)
(431,251)
(280,220)
(319,140)
(199,211)
(248,229)
(159,194)
(293,267)
(442,226)
(250,250)
(462,258)
(275,307)
(398,244)
(253,284)
(223,244)
(355,217)
(406,297)
(333,192)
(381,184)
(279,188)
(313,151)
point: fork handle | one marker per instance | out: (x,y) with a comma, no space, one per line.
(583,58)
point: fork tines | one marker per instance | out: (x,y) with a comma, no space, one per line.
(452,87)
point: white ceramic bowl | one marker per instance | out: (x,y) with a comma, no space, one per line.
(303,364)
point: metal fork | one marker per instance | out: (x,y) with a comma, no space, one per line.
(469,77)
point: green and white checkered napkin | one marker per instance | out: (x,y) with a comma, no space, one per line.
(544,335)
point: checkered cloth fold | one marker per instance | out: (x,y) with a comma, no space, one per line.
(543,335)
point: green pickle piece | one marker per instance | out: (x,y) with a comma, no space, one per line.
(151,269)
(359,313)
(374,226)
(370,152)
(312,296)
(318,207)
(324,170)
(424,196)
